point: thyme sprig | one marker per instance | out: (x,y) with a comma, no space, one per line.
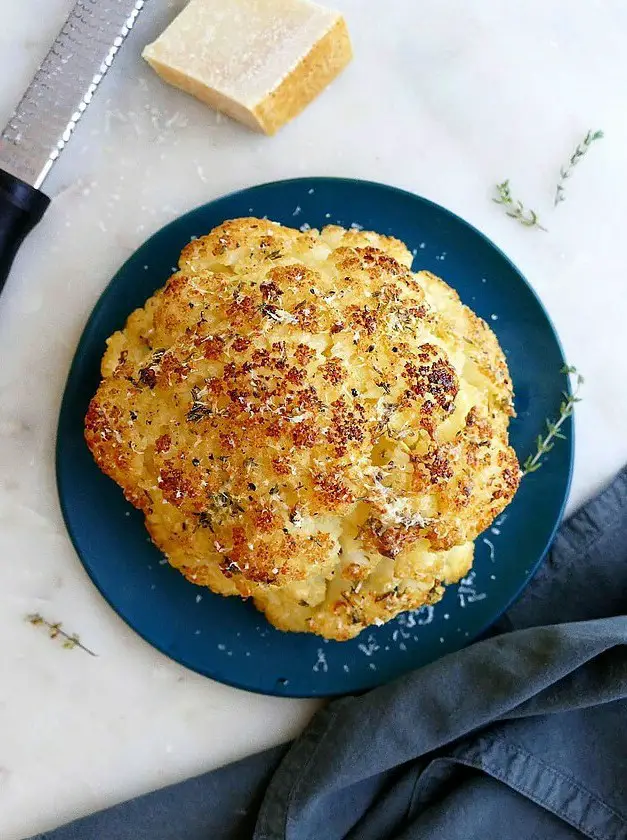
(516,209)
(545,443)
(566,171)
(54,630)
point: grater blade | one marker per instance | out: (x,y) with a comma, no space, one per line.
(64,85)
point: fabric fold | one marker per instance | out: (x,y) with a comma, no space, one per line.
(520,736)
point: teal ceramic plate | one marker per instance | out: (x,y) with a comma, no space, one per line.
(227,639)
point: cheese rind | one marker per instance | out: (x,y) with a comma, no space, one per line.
(259,61)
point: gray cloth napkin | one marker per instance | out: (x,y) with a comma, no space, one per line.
(520,736)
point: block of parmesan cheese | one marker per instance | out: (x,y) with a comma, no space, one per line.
(259,61)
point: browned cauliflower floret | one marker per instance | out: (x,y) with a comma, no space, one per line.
(305,422)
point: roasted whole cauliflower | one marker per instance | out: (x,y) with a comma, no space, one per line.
(306,423)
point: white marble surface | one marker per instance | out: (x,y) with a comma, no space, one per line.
(444,98)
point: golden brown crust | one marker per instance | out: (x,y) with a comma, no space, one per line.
(301,85)
(305,422)
(326,60)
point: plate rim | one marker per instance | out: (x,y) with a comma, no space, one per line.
(65,410)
